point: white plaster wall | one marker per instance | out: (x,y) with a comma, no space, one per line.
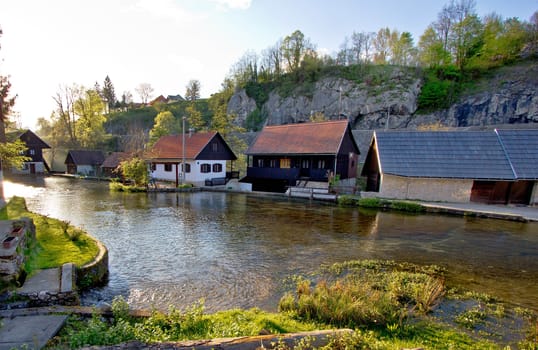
(434,190)
(195,176)
(86,170)
(39,168)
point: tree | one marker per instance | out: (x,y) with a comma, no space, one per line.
(192,92)
(65,112)
(126,99)
(90,108)
(294,48)
(165,124)
(145,91)
(381,46)
(431,52)
(108,93)
(194,117)
(135,170)
(9,152)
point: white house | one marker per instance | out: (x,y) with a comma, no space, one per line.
(205,157)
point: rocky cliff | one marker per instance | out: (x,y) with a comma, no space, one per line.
(507,96)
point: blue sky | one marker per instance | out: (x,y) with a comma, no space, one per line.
(168,42)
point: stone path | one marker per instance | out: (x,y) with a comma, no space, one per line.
(32,331)
(29,332)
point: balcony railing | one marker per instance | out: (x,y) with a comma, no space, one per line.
(274,173)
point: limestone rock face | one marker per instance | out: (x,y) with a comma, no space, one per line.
(241,106)
(390,102)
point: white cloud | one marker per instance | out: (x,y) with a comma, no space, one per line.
(234,4)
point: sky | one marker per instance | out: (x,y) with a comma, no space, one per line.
(49,44)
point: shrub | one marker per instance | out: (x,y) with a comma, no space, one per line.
(348,200)
(407,206)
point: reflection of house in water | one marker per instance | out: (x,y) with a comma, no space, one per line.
(494,167)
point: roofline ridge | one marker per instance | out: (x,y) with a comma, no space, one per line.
(506,153)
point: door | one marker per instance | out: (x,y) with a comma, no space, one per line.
(32,168)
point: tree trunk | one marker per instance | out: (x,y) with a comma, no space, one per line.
(2,140)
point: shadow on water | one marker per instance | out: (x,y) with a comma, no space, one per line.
(234,250)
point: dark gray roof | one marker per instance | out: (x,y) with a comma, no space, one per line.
(85,157)
(443,154)
(521,146)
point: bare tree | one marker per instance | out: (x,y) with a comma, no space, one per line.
(192,92)
(145,91)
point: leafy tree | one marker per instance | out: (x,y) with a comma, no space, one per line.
(108,93)
(145,91)
(381,46)
(431,52)
(90,108)
(294,47)
(165,124)
(192,92)
(135,170)
(194,117)
(126,99)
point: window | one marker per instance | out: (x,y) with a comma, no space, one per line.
(32,152)
(168,167)
(205,168)
(215,147)
(217,168)
(260,163)
(305,164)
(187,168)
(273,163)
(285,163)
(321,164)
(153,167)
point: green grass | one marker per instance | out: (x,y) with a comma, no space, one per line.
(386,303)
(57,242)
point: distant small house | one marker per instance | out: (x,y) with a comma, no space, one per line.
(158,99)
(109,168)
(36,164)
(285,155)
(84,162)
(205,156)
(494,167)
(174,98)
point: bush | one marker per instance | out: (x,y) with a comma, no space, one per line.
(407,206)
(348,200)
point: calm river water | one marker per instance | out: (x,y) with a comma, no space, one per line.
(235,250)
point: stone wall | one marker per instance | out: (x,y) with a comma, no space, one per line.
(12,258)
(94,273)
(425,189)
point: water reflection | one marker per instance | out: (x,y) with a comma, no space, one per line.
(235,250)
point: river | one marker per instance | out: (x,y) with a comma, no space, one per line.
(235,250)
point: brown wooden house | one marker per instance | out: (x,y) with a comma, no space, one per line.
(36,164)
(84,162)
(283,155)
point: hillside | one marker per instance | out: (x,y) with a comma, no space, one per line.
(390,95)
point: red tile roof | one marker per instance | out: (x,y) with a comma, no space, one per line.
(114,159)
(171,146)
(304,138)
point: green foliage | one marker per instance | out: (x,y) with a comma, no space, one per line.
(136,170)
(12,154)
(255,120)
(348,200)
(364,296)
(471,318)
(194,117)
(119,187)
(407,206)
(165,124)
(57,242)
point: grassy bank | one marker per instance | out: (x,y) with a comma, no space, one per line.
(379,203)
(57,242)
(389,306)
